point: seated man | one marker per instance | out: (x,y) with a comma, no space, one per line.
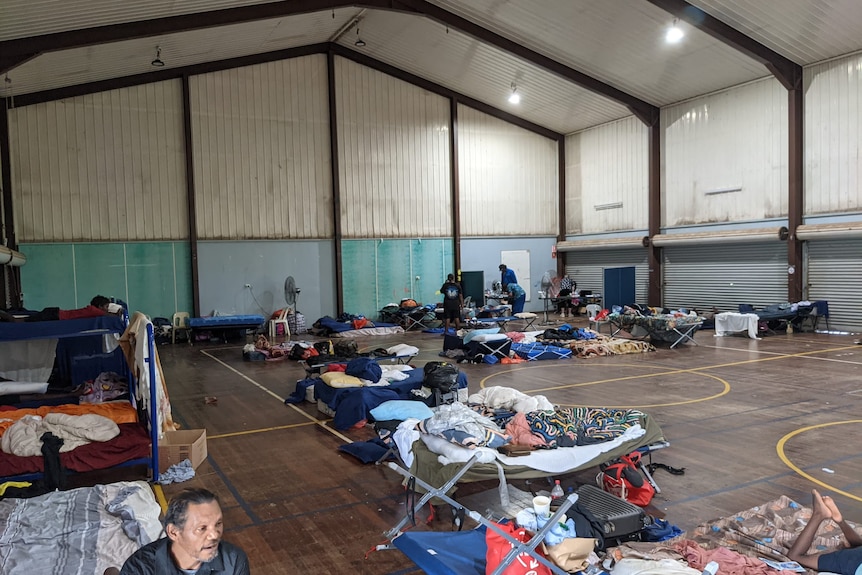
(194,527)
(99,306)
(846,561)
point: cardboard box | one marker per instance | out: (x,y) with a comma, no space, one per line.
(183,444)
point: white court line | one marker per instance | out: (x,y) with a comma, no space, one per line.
(322,424)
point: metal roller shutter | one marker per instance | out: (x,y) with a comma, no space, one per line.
(587,268)
(835,275)
(725,275)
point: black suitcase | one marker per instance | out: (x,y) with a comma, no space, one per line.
(622,521)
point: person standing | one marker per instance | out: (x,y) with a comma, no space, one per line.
(507,277)
(518,297)
(453,302)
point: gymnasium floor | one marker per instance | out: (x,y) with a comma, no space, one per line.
(748,420)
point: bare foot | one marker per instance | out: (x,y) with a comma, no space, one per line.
(833,509)
(820,510)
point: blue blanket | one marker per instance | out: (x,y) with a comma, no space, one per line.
(332,325)
(353,404)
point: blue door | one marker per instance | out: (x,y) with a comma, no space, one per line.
(619,288)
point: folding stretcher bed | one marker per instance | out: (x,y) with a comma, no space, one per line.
(225,323)
(463,552)
(352,405)
(562,460)
(665,327)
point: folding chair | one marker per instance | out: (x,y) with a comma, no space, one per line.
(592,310)
(180,323)
(280,320)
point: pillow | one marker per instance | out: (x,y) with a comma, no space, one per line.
(401,409)
(339,379)
(472,334)
(490,337)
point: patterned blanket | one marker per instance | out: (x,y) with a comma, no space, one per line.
(767,530)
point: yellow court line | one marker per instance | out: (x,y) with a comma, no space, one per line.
(262,430)
(672,372)
(160,497)
(275,395)
(781,455)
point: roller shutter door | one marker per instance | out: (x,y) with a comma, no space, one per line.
(725,275)
(835,275)
(587,268)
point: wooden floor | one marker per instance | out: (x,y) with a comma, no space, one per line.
(749,420)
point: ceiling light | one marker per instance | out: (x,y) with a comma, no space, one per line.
(514,97)
(360,43)
(158,60)
(674,33)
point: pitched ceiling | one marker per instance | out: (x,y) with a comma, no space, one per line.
(618,45)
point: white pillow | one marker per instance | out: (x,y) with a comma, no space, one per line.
(490,337)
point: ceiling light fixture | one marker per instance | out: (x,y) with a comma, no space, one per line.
(674,33)
(158,60)
(360,43)
(514,97)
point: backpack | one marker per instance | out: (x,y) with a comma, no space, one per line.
(621,477)
(346,348)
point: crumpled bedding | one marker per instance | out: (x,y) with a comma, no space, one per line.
(500,397)
(24,437)
(463,426)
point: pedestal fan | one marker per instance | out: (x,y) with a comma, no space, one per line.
(291,293)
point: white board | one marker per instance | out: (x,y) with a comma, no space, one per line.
(519,261)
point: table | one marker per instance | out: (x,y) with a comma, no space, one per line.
(728,323)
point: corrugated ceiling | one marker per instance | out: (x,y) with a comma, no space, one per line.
(619,42)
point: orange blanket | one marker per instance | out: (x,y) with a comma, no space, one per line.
(117,411)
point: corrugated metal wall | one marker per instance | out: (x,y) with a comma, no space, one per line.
(260,136)
(833,136)
(393,154)
(732,139)
(834,275)
(101,167)
(509,179)
(725,275)
(587,268)
(607,165)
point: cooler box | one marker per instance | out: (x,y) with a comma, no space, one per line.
(621,520)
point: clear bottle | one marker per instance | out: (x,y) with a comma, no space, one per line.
(557,491)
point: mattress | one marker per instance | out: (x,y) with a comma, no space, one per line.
(226,321)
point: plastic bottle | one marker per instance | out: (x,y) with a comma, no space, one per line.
(557,491)
(711,568)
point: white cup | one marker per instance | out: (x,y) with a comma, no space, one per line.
(542,506)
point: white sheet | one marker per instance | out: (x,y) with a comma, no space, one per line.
(14,387)
(728,323)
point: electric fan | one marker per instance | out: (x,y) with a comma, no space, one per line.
(291,293)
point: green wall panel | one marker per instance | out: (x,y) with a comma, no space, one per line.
(45,278)
(152,277)
(358,271)
(378,272)
(394,272)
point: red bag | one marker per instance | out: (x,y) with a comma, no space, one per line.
(499,546)
(622,478)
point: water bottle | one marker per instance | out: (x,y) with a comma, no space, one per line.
(557,491)
(711,568)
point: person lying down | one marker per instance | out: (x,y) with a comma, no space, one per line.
(99,306)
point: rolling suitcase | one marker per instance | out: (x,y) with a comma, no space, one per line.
(621,520)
